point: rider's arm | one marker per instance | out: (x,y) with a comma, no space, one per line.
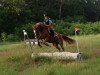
(50,22)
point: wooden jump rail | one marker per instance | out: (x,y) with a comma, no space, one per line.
(33,41)
(59,55)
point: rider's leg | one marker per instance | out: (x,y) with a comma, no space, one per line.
(51,32)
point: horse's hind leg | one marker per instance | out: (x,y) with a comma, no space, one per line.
(39,43)
(62,47)
(61,44)
(46,44)
(56,45)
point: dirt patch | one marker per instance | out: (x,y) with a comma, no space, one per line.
(5,54)
(96,52)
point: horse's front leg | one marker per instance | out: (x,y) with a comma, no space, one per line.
(56,45)
(39,37)
(44,42)
(39,41)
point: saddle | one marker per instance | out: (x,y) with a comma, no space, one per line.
(52,33)
(50,30)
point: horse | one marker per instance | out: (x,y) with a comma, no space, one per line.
(42,33)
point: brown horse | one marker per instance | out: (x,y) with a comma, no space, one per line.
(42,33)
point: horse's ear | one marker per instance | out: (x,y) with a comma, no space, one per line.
(33,26)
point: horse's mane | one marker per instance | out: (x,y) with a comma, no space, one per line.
(41,25)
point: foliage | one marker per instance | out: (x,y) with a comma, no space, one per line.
(80,19)
(16,13)
(85,28)
(42,60)
(60,26)
(12,38)
(27,28)
(4,37)
(15,59)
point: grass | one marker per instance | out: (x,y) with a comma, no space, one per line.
(15,59)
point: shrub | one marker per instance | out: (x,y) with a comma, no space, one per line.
(85,28)
(12,38)
(89,28)
(4,37)
(61,27)
(76,19)
(27,27)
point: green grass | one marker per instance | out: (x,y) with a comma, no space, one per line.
(15,59)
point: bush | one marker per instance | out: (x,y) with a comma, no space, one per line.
(89,28)
(61,27)
(27,27)
(85,28)
(12,38)
(76,19)
(4,37)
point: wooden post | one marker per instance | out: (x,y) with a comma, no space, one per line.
(79,54)
(77,42)
(25,34)
(29,42)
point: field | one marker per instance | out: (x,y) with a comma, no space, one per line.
(15,59)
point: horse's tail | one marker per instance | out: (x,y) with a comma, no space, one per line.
(67,39)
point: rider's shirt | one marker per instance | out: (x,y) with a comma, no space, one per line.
(48,21)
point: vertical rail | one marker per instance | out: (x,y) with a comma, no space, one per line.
(77,43)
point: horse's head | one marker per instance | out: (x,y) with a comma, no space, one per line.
(38,28)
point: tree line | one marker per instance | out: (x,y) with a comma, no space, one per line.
(15,14)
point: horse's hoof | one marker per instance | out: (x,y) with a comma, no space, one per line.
(60,51)
(63,51)
(49,45)
(40,46)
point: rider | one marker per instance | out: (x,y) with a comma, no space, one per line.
(48,22)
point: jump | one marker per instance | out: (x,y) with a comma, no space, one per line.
(42,33)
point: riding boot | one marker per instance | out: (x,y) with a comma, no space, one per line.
(51,32)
